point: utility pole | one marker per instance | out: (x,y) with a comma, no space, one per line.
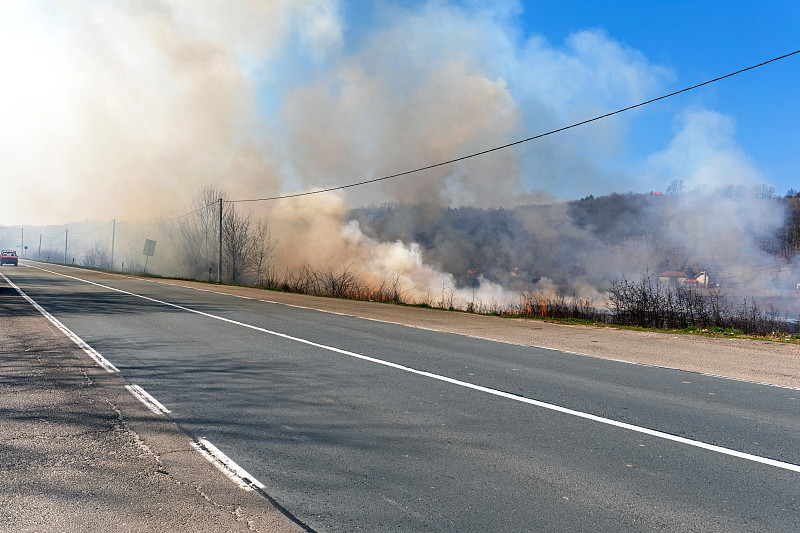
(22,239)
(40,247)
(219,265)
(66,241)
(113,234)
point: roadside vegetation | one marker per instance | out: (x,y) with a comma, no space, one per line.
(647,303)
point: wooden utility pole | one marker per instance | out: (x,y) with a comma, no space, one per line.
(113,234)
(219,265)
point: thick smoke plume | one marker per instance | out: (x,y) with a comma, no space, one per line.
(126,110)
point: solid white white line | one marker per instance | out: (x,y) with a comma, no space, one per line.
(487,390)
(489,339)
(94,354)
(423,328)
(145,397)
(225,465)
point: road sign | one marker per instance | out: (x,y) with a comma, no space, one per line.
(149,250)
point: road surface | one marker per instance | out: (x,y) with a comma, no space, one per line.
(362,425)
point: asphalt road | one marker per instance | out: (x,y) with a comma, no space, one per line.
(353,424)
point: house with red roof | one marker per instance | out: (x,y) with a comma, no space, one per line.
(672,277)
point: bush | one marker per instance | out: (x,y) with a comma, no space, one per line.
(648,304)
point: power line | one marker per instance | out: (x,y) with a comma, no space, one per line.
(171,219)
(96,229)
(509,145)
(451,161)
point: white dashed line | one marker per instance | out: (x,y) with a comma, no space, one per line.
(225,465)
(145,397)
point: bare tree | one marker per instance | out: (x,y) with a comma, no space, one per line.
(247,244)
(764,191)
(196,236)
(263,251)
(675,188)
(238,246)
(97,256)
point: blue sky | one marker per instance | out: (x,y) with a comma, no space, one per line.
(699,41)
(127,109)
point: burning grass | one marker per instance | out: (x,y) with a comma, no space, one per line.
(645,303)
(555,307)
(344,282)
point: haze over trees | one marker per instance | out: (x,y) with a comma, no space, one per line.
(594,240)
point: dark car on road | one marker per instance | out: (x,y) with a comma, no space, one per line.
(9,257)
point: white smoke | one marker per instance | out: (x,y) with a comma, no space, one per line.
(704,154)
(127,109)
(315,231)
(441,82)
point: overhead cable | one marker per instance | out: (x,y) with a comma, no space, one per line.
(509,145)
(96,229)
(172,219)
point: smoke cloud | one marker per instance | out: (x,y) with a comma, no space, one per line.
(127,110)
